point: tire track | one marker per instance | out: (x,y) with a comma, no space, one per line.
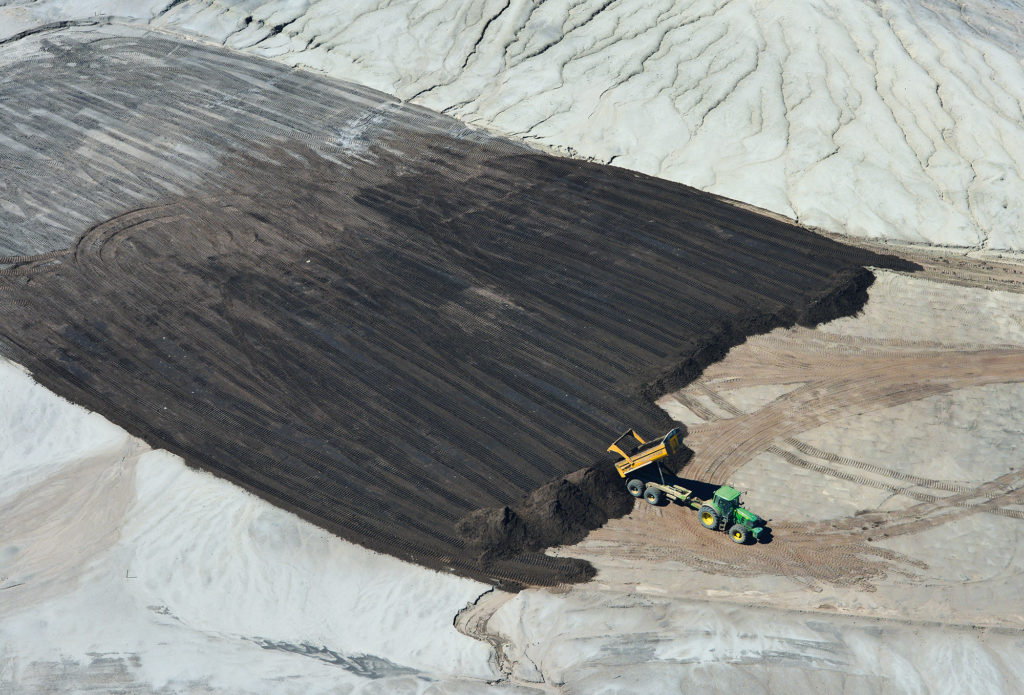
(840,377)
(867,383)
(805,448)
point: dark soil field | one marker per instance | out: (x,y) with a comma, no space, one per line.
(386,338)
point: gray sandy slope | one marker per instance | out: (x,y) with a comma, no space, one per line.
(890,120)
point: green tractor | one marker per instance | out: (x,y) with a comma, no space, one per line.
(725,512)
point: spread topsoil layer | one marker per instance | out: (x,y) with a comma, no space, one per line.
(422,344)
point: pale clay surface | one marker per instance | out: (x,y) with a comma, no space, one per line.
(186,583)
(897,120)
(912,629)
(947,445)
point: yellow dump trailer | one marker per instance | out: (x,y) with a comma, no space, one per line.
(637,453)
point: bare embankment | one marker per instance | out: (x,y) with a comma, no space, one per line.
(387,335)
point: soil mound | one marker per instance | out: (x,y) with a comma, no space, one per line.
(561,512)
(387,332)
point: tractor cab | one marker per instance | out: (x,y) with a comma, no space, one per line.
(727,499)
(728,514)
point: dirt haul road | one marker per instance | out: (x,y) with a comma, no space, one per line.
(886,449)
(382,322)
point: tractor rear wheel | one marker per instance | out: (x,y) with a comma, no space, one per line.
(709,517)
(739,534)
(653,496)
(635,487)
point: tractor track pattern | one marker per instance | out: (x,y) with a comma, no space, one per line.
(836,376)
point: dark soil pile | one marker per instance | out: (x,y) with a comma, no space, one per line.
(384,338)
(561,512)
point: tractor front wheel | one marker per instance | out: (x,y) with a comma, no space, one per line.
(653,496)
(709,517)
(635,487)
(739,534)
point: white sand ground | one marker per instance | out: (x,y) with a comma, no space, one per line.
(122,568)
(598,641)
(894,119)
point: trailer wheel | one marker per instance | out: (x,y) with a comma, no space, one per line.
(635,487)
(709,517)
(653,496)
(739,534)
